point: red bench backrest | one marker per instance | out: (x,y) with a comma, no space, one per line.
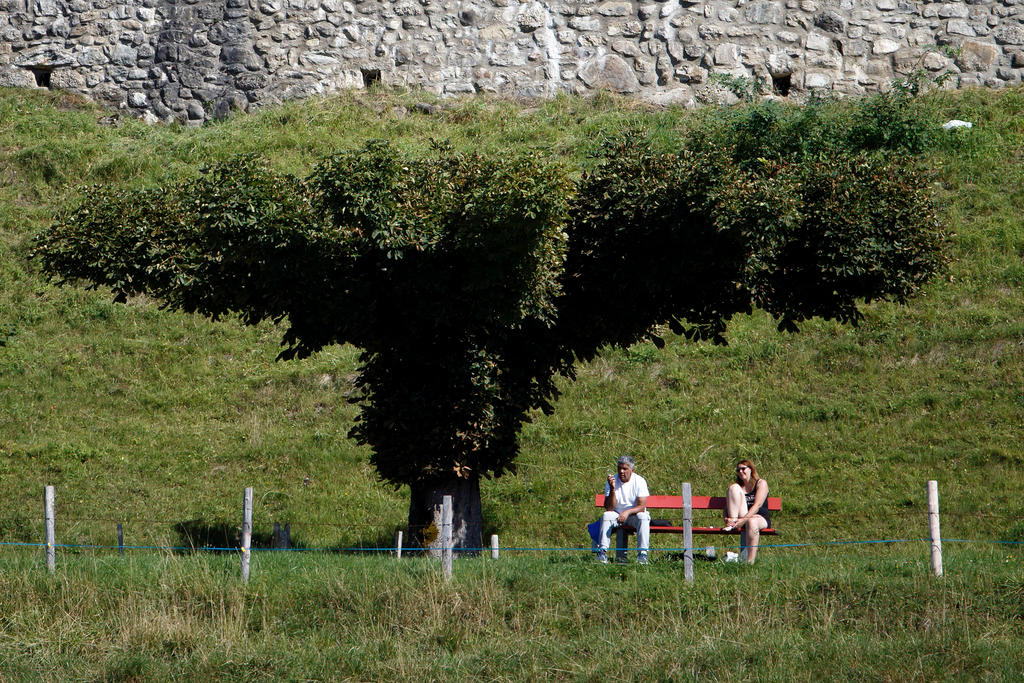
(698,502)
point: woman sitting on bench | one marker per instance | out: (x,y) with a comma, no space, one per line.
(745,507)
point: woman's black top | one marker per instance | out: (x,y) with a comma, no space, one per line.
(764,507)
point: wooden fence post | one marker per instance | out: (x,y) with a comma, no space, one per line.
(246,532)
(687,532)
(446,537)
(494,546)
(51,534)
(398,544)
(933,527)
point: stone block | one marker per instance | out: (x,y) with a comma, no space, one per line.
(195,111)
(413,23)
(459,88)
(646,72)
(905,61)
(250,82)
(764,12)
(91,56)
(884,46)
(615,9)
(779,64)
(16,78)
(817,80)
(726,54)
(241,55)
(1012,34)
(532,17)
(691,74)
(496,32)
(934,62)
(976,56)
(830,21)
(817,43)
(709,32)
(877,67)
(960,27)
(45,8)
(953,11)
(853,48)
(609,71)
(694,51)
(826,61)
(626,29)
(742,31)
(585,23)
(626,48)
(45,55)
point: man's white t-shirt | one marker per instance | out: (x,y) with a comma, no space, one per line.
(627,493)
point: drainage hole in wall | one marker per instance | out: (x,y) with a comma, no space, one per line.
(781,84)
(42,76)
(371,77)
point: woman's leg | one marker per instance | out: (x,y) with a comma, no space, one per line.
(735,503)
(752,536)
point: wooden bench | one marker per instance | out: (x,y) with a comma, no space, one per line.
(697,503)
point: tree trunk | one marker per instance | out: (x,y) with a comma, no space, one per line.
(425,514)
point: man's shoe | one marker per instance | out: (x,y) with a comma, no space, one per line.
(642,558)
(602,556)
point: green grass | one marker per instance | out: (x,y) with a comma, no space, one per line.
(154,419)
(797,615)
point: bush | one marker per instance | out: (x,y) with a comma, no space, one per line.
(892,122)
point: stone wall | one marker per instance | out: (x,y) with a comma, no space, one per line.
(196,59)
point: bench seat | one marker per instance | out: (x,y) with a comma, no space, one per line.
(697,503)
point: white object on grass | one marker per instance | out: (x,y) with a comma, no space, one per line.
(957,123)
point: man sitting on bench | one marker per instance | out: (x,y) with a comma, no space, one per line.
(625,502)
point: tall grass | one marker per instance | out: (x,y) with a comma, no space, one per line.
(797,615)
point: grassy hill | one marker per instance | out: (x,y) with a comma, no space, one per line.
(157,419)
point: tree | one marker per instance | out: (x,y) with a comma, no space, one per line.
(471,283)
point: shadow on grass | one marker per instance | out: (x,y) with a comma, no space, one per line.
(197,534)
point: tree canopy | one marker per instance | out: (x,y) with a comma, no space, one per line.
(471,282)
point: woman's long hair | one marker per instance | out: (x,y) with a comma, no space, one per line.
(753,472)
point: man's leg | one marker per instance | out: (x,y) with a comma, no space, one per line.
(641,521)
(608,520)
(643,536)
